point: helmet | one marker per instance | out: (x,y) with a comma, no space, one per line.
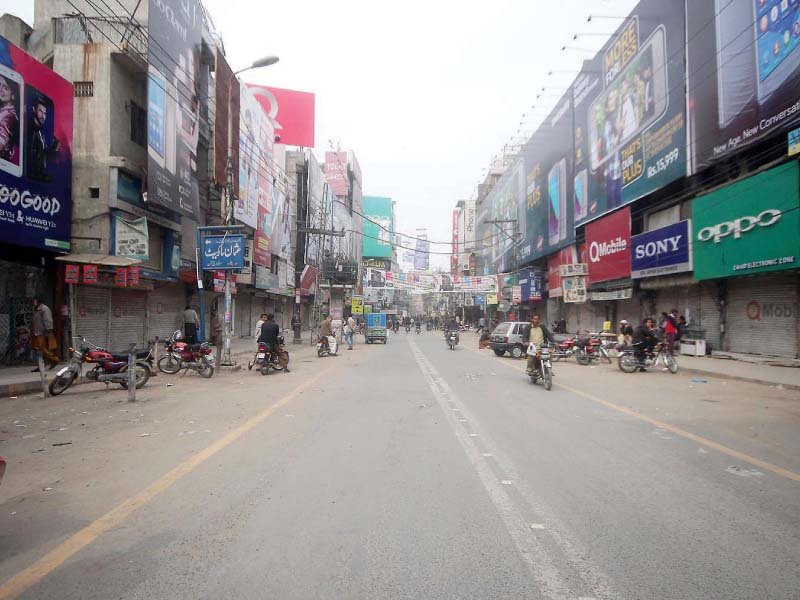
(623,322)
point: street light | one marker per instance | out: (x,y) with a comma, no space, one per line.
(264,61)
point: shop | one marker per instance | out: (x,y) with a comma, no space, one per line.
(746,254)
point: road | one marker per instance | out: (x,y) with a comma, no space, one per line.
(405,471)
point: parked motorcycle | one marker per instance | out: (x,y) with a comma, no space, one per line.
(545,371)
(110,367)
(180,356)
(452,339)
(329,349)
(266,360)
(592,349)
(564,349)
(628,362)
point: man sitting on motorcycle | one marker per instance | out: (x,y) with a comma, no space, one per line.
(536,333)
(325,330)
(270,332)
(451,326)
(644,340)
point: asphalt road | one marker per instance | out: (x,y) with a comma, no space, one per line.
(405,471)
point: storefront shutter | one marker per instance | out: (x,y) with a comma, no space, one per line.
(92,314)
(127,319)
(245,323)
(165,310)
(705,315)
(763,315)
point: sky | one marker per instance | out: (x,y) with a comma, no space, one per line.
(424,92)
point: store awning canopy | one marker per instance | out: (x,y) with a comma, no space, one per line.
(105,260)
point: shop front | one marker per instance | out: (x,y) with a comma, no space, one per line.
(746,240)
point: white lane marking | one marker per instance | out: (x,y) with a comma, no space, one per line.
(736,470)
(506,482)
(462,421)
(486,454)
(572,549)
(529,549)
(537,526)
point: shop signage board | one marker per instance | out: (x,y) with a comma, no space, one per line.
(574,289)
(622,294)
(357,305)
(752,226)
(133,276)
(608,242)
(72,273)
(223,252)
(662,251)
(131,238)
(794,142)
(121,277)
(89,273)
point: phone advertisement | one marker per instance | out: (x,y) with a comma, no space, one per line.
(548,205)
(506,202)
(35,152)
(743,67)
(173,104)
(630,112)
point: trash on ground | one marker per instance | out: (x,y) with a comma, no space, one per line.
(144,435)
(47,489)
(170,384)
(62,443)
(699,380)
(39,450)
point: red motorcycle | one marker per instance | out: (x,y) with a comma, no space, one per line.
(564,349)
(110,367)
(180,356)
(592,348)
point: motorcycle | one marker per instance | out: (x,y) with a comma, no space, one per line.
(452,339)
(545,371)
(418,328)
(564,349)
(180,356)
(628,363)
(266,360)
(408,328)
(591,349)
(429,327)
(110,367)
(329,349)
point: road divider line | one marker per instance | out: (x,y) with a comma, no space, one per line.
(28,577)
(757,462)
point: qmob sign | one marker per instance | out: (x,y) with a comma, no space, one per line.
(35,152)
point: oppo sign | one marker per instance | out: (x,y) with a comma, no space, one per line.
(738,226)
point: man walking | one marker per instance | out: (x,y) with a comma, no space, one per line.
(671,330)
(481,324)
(44,340)
(190,324)
(349,331)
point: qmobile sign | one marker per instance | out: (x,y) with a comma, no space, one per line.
(608,243)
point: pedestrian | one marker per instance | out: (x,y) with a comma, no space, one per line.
(671,329)
(297,324)
(261,320)
(349,331)
(485,340)
(481,324)
(190,324)
(216,333)
(44,340)
(682,327)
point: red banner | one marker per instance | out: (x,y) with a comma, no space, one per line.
(121,277)
(89,273)
(291,112)
(72,274)
(608,244)
(133,276)
(336,172)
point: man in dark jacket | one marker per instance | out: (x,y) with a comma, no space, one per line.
(270,332)
(538,334)
(644,339)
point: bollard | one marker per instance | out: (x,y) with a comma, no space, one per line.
(132,373)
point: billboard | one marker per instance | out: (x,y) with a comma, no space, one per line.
(752,226)
(282,223)
(226,95)
(662,251)
(291,112)
(315,216)
(35,152)
(506,201)
(546,215)
(377,227)
(630,131)
(743,67)
(131,238)
(608,246)
(336,172)
(173,108)
(422,251)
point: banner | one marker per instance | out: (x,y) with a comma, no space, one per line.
(90,273)
(175,32)
(422,251)
(133,276)
(131,238)
(336,172)
(357,305)
(379,222)
(506,200)
(743,68)
(608,244)
(662,251)
(72,273)
(546,215)
(35,152)
(254,203)
(226,92)
(282,223)
(121,277)
(315,216)
(531,285)
(291,112)
(630,134)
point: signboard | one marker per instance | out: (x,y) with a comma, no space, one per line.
(531,285)
(357,305)
(794,142)
(253,205)
(752,226)
(454,240)
(226,92)
(574,289)
(133,276)
(377,263)
(35,152)
(507,200)
(121,277)
(89,273)
(622,294)
(568,270)
(175,33)
(491,298)
(662,251)
(743,67)
(223,252)
(608,242)
(131,238)
(291,111)
(630,123)
(266,279)
(377,225)
(516,294)
(336,173)
(72,273)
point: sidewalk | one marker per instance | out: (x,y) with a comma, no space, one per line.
(16,381)
(742,370)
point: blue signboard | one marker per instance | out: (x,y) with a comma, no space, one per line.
(530,282)
(662,251)
(480,300)
(376,319)
(223,252)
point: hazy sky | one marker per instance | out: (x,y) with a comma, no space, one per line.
(424,92)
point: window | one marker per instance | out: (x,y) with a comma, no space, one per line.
(138,125)
(94,192)
(83,89)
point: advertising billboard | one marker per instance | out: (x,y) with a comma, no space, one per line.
(608,246)
(743,67)
(336,172)
(506,201)
(131,238)
(752,226)
(546,213)
(377,227)
(630,130)
(422,251)
(226,96)
(35,152)
(662,251)
(173,109)
(315,216)
(292,113)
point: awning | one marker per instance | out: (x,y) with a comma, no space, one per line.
(105,260)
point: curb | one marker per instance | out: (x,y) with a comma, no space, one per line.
(714,374)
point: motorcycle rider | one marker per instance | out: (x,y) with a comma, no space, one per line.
(269,336)
(625,336)
(644,340)
(451,326)
(536,333)
(325,330)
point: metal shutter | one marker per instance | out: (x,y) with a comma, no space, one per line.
(706,316)
(245,324)
(165,310)
(92,314)
(762,315)
(127,319)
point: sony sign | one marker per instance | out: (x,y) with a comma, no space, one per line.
(738,226)
(661,251)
